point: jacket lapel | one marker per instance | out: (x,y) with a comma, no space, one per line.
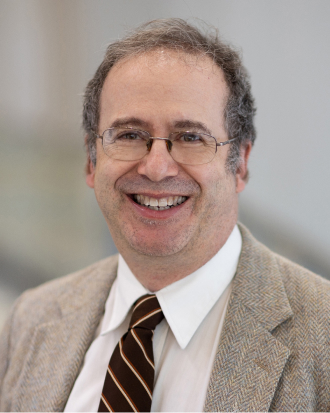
(249,360)
(59,346)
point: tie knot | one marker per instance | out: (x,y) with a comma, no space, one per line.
(146,313)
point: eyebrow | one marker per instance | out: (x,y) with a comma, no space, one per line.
(185,124)
(192,125)
(130,122)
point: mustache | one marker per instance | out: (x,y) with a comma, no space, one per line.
(138,184)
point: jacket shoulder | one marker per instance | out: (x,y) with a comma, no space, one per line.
(301,281)
(63,294)
(69,305)
(300,284)
(309,298)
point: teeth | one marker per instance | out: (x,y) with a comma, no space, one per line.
(160,204)
(153,202)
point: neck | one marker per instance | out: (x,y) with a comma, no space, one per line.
(157,272)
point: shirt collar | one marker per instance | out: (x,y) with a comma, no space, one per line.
(186,302)
(124,292)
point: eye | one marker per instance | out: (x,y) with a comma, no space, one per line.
(191,137)
(129,136)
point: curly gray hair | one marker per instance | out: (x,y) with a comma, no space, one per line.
(177,34)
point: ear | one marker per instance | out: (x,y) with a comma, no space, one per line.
(242,173)
(89,168)
(90,173)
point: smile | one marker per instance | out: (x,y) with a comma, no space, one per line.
(159,204)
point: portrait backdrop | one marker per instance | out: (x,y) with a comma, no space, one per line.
(50,223)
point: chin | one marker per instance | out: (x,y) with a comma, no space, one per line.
(159,248)
(156,249)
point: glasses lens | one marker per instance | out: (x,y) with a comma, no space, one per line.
(187,148)
(191,148)
(125,144)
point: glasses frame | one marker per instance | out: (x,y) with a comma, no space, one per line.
(169,142)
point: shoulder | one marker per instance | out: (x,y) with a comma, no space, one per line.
(300,281)
(305,289)
(307,294)
(309,298)
(48,301)
(42,317)
(295,277)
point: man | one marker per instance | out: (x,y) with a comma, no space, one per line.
(169,124)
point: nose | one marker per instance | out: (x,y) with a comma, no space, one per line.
(158,164)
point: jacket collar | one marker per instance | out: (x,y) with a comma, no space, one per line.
(258,283)
(249,360)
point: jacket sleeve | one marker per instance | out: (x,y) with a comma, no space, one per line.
(5,357)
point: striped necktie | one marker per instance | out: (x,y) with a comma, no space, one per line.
(129,381)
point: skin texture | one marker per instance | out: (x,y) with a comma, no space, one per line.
(161,90)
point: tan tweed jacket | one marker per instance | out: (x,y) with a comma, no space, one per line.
(274,351)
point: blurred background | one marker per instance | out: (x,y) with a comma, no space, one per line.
(50,224)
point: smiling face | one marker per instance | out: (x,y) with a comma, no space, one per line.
(162,92)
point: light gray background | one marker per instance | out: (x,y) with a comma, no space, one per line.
(49,221)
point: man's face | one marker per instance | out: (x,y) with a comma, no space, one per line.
(162,92)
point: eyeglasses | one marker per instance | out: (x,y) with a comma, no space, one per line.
(187,148)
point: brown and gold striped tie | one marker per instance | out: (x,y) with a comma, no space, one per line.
(129,381)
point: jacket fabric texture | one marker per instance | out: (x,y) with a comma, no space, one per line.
(273,353)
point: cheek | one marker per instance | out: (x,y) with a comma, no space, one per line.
(108,171)
(219,191)
(211,178)
(104,187)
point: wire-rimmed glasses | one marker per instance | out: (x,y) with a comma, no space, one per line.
(185,147)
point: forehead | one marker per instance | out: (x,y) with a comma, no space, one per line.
(173,83)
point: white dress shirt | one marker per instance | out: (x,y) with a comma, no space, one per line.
(184,343)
